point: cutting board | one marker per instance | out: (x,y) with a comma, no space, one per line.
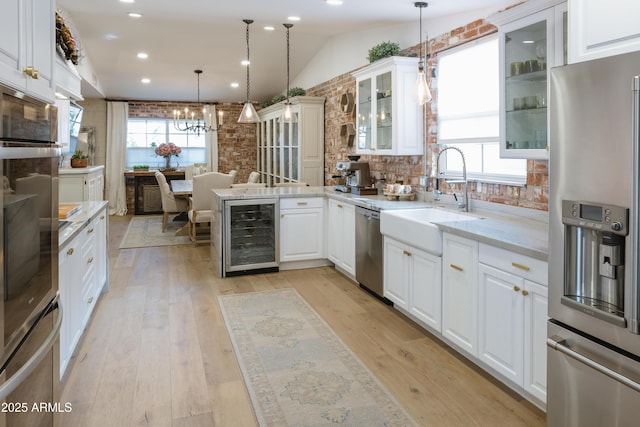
(66,210)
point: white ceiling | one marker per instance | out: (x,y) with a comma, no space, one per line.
(183,35)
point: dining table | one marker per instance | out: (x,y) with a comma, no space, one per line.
(182,188)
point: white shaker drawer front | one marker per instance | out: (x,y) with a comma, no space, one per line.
(301,202)
(520,265)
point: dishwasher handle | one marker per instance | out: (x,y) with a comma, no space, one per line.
(368,213)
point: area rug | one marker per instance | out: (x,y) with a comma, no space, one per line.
(298,372)
(146,231)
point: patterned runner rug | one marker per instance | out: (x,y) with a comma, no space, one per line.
(146,231)
(297,371)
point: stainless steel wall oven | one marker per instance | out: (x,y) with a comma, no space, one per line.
(29,314)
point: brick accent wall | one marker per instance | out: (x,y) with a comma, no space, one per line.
(408,169)
(236,141)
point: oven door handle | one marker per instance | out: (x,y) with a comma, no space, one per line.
(560,344)
(36,152)
(16,379)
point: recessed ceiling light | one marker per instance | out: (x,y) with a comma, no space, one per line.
(269,28)
(134,15)
(146,80)
(235,85)
(244,62)
(528,41)
(293,18)
(127,1)
(110,37)
(142,55)
(334,2)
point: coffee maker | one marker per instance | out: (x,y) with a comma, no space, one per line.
(356,176)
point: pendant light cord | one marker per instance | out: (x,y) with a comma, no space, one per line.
(288,27)
(248,22)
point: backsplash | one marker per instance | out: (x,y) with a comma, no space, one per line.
(408,169)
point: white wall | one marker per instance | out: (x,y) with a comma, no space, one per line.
(349,51)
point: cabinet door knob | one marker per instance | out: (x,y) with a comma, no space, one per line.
(456,267)
(70,251)
(90,300)
(281,215)
(339,205)
(407,253)
(520,266)
(516,288)
(525,293)
(90,260)
(101,216)
(89,231)
(31,72)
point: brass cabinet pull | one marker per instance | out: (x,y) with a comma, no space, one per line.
(525,293)
(520,266)
(407,253)
(302,203)
(339,205)
(281,215)
(516,288)
(90,260)
(31,72)
(90,300)
(70,251)
(89,231)
(455,267)
(101,216)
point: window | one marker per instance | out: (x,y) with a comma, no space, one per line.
(145,134)
(468,113)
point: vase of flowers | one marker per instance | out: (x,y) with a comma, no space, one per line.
(167,150)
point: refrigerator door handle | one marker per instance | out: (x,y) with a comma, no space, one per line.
(559,344)
(635,200)
(16,379)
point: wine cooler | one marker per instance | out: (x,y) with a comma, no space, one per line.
(251,241)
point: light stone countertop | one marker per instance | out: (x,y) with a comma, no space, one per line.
(79,221)
(514,229)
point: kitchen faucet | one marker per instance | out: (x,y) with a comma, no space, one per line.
(464,204)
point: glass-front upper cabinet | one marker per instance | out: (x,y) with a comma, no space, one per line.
(389,120)
(532,40)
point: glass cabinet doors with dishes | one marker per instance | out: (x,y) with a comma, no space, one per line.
(389,120)
(529,47)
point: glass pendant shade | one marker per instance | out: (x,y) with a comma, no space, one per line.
(249,114)
(423,94)
(288,116)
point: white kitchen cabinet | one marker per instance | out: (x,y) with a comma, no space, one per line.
(301,229)
(460,292)
(513,317)
(389,120)
(82,276)
(412,280)
(81,184)
(27,47)
(602,28)
(341,238)
(532,40)
(292,152)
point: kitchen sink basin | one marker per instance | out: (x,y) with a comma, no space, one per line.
(418,227)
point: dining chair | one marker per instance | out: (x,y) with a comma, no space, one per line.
(188,172)
(170,203)
(250,185)
(291,184)
(201,199)
(233,173)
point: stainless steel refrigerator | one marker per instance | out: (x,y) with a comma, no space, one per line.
(593,351)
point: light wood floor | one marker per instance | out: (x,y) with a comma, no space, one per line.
(156,351)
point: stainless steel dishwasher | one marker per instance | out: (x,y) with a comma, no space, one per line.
(369,261)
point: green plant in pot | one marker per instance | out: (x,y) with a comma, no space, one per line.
(79,159)
(383,50)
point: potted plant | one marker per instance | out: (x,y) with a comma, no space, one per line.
(383,50)
(79,159)
(140,168)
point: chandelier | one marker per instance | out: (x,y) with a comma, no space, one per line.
(248,114)
(423,93)
(193,121)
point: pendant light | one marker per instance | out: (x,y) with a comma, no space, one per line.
(423,94)
(249,114)
(288,116)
